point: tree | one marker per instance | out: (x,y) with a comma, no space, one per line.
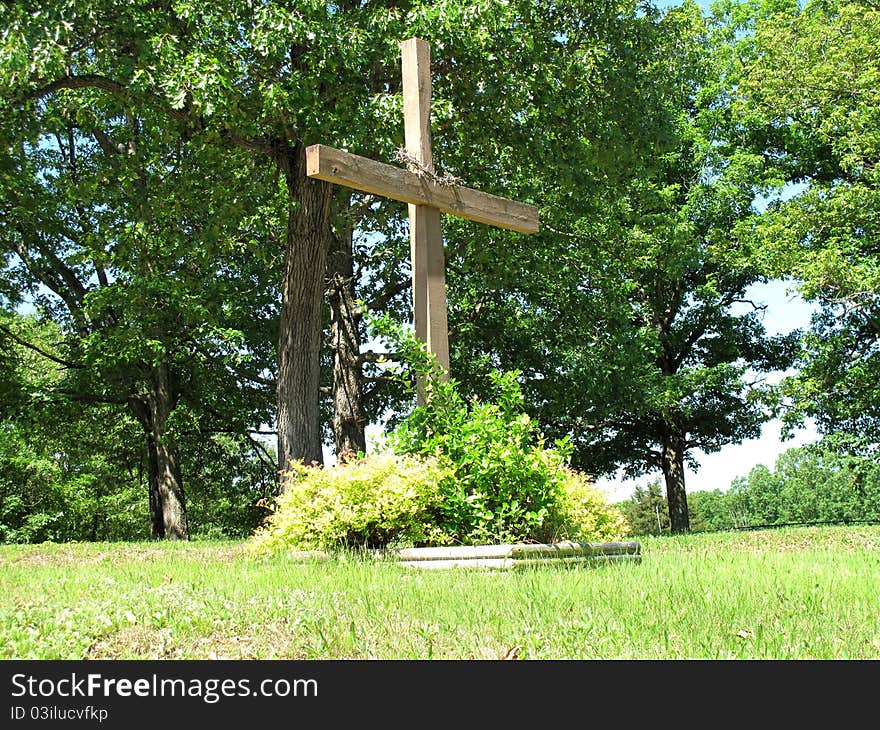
(807,101)
(556,96)
(634,330)
(97,231)
(709,511)
(69,472)
(812,484)
(647,511)
(689,347)
(270,79)
(64,474)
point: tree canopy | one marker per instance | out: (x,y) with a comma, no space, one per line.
(176,290)
(808,100)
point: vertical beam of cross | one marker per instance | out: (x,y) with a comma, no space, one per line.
(426,196)
(425,235)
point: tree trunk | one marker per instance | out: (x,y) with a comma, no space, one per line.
(302,299)
(171,522)
(672,464)
(167,500)
(348,414)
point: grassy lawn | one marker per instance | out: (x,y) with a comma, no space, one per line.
(798,593)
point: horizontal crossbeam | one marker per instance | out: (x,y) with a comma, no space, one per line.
(362,173)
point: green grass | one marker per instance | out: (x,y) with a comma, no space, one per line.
(799,593)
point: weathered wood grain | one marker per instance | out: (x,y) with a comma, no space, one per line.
(425,235)
(344,168)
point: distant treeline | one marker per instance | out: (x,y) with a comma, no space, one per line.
(812,485)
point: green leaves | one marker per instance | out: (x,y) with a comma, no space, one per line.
(808,102)
(504,484)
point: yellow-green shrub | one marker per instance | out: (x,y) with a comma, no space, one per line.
(584,514)
(368,502)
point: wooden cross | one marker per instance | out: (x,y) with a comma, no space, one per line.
(426,194)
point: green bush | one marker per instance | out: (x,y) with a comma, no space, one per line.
(369,502)
(505,484)
(458,472)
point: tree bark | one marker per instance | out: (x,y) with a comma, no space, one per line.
(172,521)
(348,413)
(168,518)
(302,299)
(672,464)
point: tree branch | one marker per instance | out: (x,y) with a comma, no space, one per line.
(35,348)
(92,398)
(97,81)
(370,356)
(379,302)
(262,451)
